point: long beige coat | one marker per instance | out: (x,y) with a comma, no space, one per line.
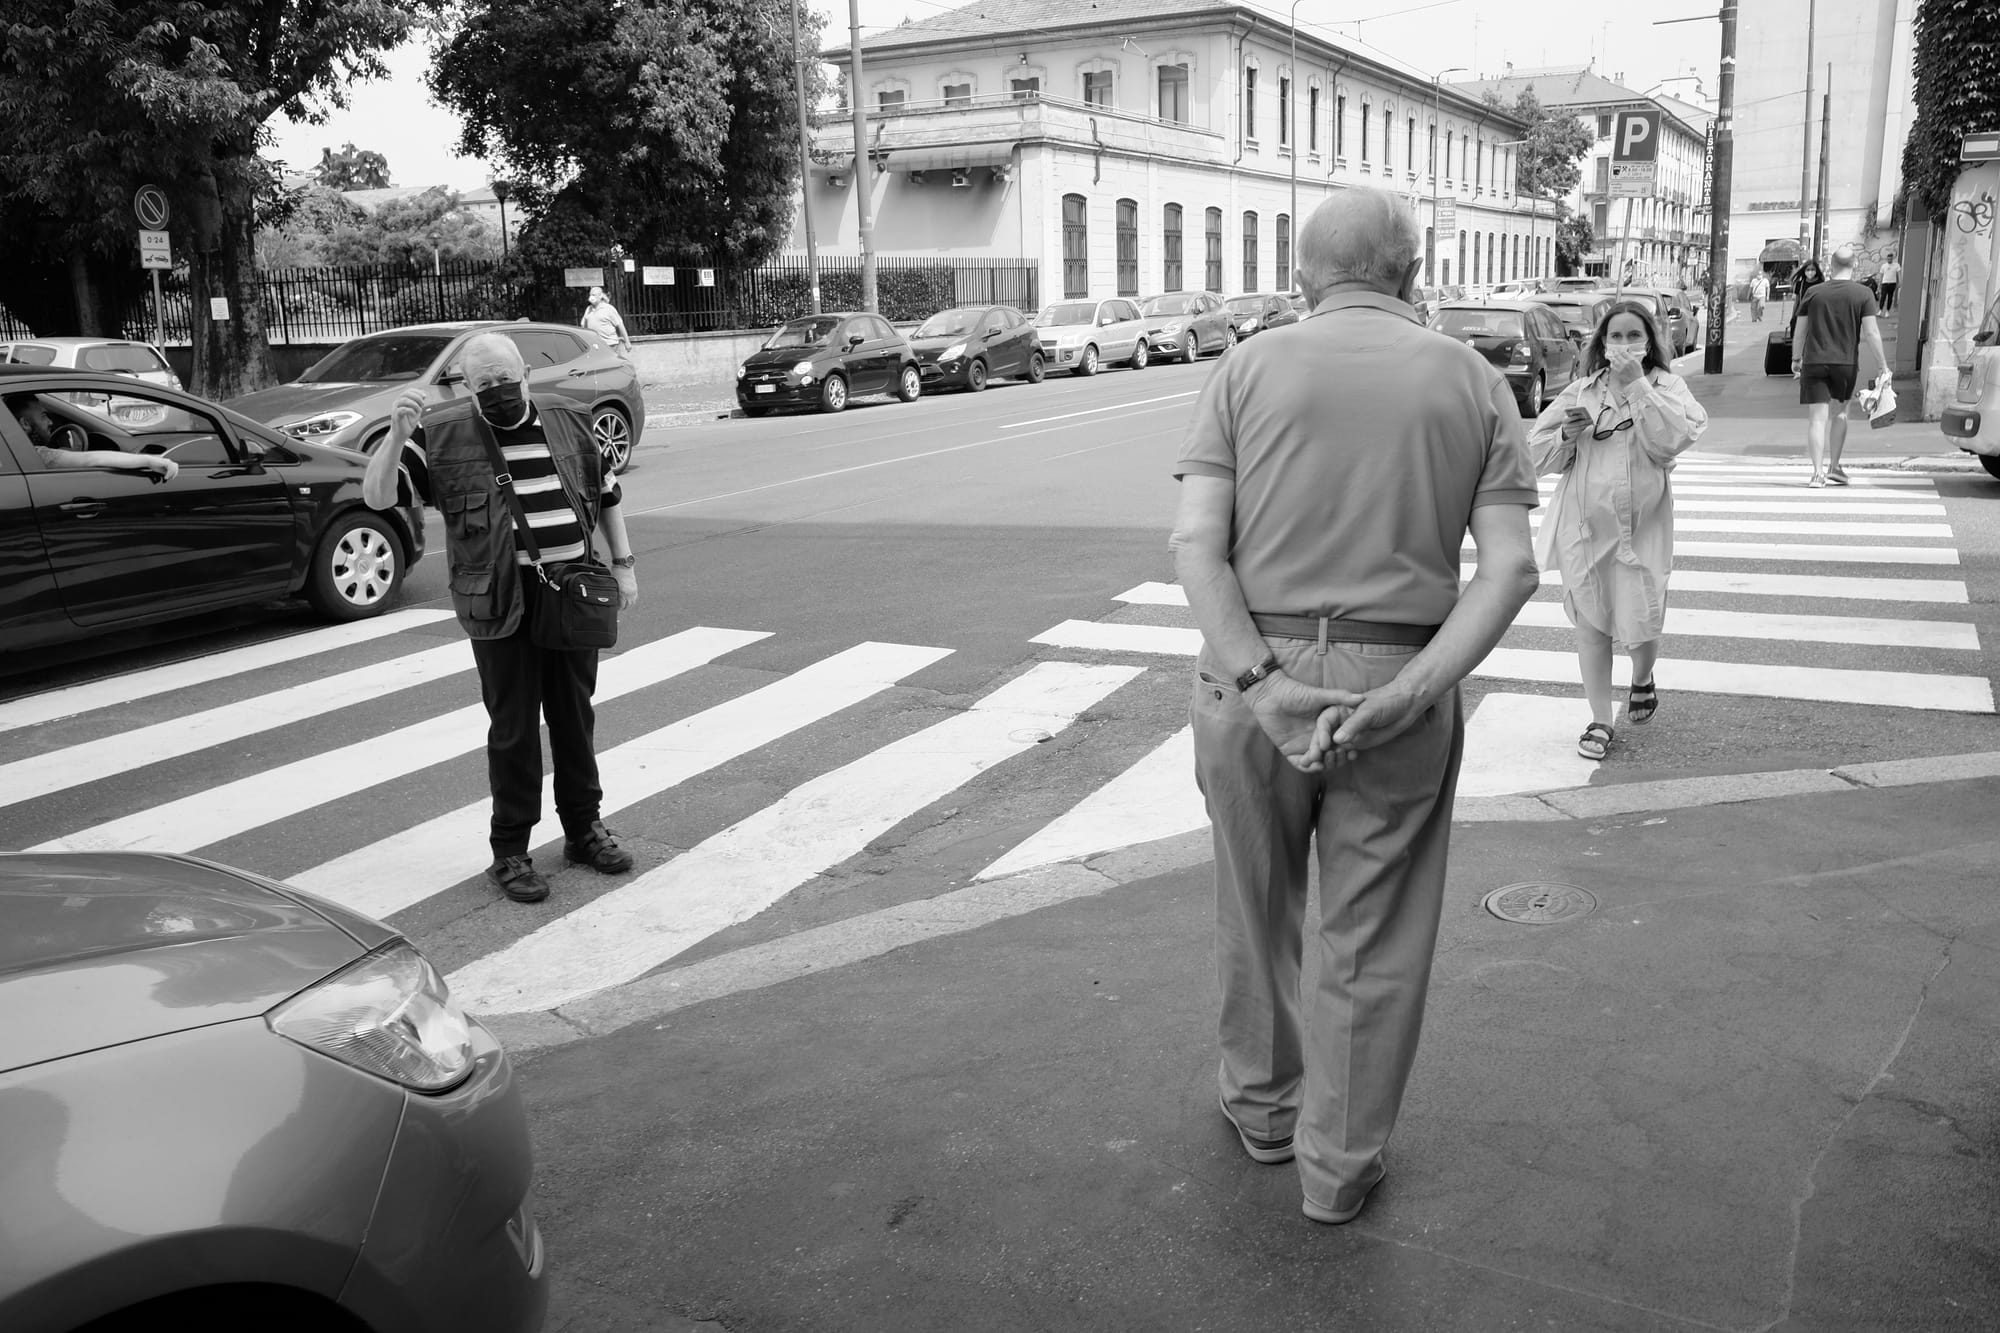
(1609,526)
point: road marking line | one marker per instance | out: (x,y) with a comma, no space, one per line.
(215,813)
(72,700)
(1885,494)
(1893,689)
(1518,743)
(1153,799)
(1837,587)
(1152,593)
(742,870)
(1696,623)
(122,752)
(1093,411)
(1777,527)
(1810,552)
(1774,476)
(1829,508)
(1103,636)
(405,868)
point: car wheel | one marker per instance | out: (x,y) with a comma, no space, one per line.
(833,393)
(910,385)
(1141,356)
(613,434)
(1087,363)
(1990,462)
(975,376)
(1531,406)
(1036,368)
(1191,350)
(356,569)
(1234,338)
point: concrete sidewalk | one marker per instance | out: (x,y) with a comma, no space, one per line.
(1758,1087)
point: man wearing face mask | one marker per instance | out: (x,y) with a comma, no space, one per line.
(568,492)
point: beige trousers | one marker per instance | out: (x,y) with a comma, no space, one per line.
(1383,825)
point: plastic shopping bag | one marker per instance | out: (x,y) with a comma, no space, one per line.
(1879,402)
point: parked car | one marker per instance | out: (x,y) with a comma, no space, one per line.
(252,516)
(1579,311)
(1972,418)
(1254,312)
(241,1106)
(1187,325)
(344,397)
(1424,300)
(1080,336)
(114,356)
(1670,308)
(1523,338)
(969,345)
(826,361)
(1577,283)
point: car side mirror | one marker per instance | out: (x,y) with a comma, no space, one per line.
(856,339)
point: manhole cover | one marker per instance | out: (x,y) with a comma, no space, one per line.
(1539,904)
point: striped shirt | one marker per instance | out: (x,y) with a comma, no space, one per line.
(550,514)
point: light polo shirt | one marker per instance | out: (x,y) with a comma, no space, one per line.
(1360,442)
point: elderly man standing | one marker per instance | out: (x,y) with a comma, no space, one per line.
(568,493)
(1327,483)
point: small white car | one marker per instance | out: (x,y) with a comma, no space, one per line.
(1973,417)
(117,356)
(1080,336)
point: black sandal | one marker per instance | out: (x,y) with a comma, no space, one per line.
(1596,739)
(1641,702)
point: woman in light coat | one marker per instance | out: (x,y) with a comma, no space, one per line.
(1613,436)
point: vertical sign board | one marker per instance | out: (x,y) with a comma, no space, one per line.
(1447,220)
(149,205)
(1635,164)
(706,276)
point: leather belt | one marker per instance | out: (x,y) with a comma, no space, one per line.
(1334,629)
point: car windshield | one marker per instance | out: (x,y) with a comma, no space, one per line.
(949,324)
(1074,312)
(1577,314)
(1245,304)
(803,333)
(1485,323)
(1168,305)
(123,358)
(385,357)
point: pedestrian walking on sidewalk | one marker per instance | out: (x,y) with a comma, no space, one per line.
(1833,320)
(1760,292)
(568,492)
(602,318)
(1890,276)
(1611,438)
(1809,276)
(1328,480)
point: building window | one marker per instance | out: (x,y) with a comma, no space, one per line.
(1430,255)
(1364,131)
(891,103)
(1471,274)
(1604,127)
(1170,231)
(1284,111)
(1076,246)
(1410,147)
(1025,90)
(1431,153)
(1517,256)
(1249,252)
(1491,274)
(1479,167)
(1128,247)
(1312,119)
(1462,270)
(1464,173)
(1283,277)
(1097,87)
(958,94)
(1174,93)
(1603,175)
(1600,221)
(1449,135)
(1340,126)
(1388,129)
(1212,255)
(1250,102)
(1445,268)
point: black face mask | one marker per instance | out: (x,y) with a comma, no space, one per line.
(502,404)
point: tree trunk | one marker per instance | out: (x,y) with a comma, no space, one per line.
(232,356)
(83,292)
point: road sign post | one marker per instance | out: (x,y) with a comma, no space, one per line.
(1635,166)
(156,252)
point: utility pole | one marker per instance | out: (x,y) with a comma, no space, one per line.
(1805,150)
(1819,195)
(864,170)
(1721,161)
(805,164)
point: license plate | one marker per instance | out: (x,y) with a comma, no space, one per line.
(767,388)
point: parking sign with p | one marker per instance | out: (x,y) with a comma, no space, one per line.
(1635,153)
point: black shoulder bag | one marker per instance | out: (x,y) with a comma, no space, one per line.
(571,606)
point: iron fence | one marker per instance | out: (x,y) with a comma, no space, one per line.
(317,305)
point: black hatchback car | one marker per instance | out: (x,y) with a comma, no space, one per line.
(969,345)
(825,361)
(1523,338)
(251,517)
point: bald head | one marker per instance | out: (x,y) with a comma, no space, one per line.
(1842,260)
(1358,237)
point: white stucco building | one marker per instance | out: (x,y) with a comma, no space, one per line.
(1126,147)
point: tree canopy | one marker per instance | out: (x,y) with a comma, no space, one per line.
(1552,148)
(352,169)
(665,124)
(1956,87)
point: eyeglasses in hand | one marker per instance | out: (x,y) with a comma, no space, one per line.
(1597,432)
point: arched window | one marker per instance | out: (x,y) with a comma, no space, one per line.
(1076,246)
(1128,247)
(1463,274)
(1449,137)
(1471,274)
(1212,254)
(1170,231)
(1249,252)
(1283,276)
(1430,255)
(1364,131)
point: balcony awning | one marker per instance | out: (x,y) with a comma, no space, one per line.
(1780,252)
(946,157)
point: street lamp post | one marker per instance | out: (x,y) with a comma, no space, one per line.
(1437,118)
(501,189)
(805,164)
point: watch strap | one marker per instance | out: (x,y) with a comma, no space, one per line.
(1256,673)
(625,561)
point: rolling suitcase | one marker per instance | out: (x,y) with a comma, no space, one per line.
(1778,353)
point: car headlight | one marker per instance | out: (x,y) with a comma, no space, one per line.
(952,353)
(743,370)
(389,1015)
(1250,323)
(326,423)
(1171,326)
(803,368)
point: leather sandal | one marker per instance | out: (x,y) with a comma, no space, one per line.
(1641,702)
(1596,739)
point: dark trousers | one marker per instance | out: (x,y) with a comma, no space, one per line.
(521,684)
(1888,297)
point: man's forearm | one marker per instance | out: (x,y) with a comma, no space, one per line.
(1216,599)
(378,483)
(612,524)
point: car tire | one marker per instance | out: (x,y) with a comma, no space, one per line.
(1990,462)
(1537,398)
(357,566)
(1087,363)
(833,393)
(1037,367)
(1142,356)
(910,384)
(613,433)
(1234,338)
(1191,349)
(975,377)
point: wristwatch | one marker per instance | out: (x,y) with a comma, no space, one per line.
(625,561)
(1256,673)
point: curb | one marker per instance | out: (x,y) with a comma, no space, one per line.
(872,934)
(694,417)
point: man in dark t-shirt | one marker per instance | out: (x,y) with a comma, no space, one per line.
(1834,317)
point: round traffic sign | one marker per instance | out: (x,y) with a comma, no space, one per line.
(150,203)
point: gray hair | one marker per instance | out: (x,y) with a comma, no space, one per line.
(1843,258)
(1359,236)
(493,342)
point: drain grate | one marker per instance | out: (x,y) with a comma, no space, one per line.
(1539,903)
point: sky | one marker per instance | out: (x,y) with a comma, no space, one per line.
(395,116)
